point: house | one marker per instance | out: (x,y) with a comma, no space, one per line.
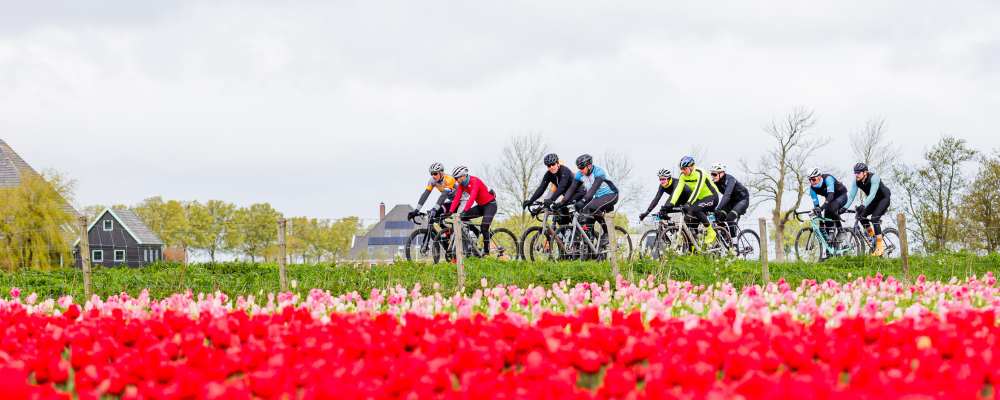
(119,238)
(13,169)
(386,240)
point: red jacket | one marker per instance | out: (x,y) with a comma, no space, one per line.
(477,191)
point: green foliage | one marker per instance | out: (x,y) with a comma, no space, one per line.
(243,278)
(37,228)
(981,206)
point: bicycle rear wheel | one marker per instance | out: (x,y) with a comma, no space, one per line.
(748,245)
(503,244)
(647,244)
(623,243)
(808,247)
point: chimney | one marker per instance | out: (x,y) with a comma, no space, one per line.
(381,211)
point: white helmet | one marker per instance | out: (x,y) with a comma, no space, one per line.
(459,171)
(664,173)
(718,167)
(436,167)
(814,172)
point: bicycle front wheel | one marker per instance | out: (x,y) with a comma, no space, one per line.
(422,247)
(808,247)
(671,242)
(647,244)
(503,244)
(543,247)
(748,245)
(525,241)
(890,240)
(624,244)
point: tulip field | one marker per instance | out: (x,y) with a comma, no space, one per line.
(866,338)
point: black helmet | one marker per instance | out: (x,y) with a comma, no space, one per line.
(860,166)
(687,162)
(550,160)
(584,160)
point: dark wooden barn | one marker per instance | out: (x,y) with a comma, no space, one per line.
(118,238)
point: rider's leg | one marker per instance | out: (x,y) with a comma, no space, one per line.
(475,211)
(734,215)
(698,210)
(489,210)
(598,207)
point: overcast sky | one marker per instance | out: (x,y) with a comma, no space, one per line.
(324,109)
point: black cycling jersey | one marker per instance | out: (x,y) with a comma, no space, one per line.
(824,190)
(660,190)
(866,186)
(732,191)
(562,179)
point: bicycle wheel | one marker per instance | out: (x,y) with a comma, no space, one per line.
(503,244)
(723,244)
(422,247)
(647,244)
(748,245)
(807,246)
(543,247)
(890,240)
(671,242)
(524,241)
(624,244)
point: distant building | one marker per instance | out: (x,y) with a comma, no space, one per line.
(118,238)
(13,169)
(386,240)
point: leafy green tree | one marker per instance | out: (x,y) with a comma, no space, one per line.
(37,227)
(257,227)
(168,219)
(214,223)
(981,204)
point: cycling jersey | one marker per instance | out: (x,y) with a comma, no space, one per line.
(446,187)
(866,185)
(700,183)
(732,191)
(476,190)
(597,183)
(823,188)
(669,188)
(558,184)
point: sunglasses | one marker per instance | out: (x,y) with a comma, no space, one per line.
(662,179)
(581,166)
(858,172)
(814,179)
(549,165)
(715,174)
(435,173)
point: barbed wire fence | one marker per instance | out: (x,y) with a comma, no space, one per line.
(109,263)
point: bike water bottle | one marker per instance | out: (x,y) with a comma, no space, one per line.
(656,218)
(711,219)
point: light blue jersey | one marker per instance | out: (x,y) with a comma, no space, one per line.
(588,181)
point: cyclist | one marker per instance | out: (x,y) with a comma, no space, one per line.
(705,196)
(599,193)
(667,185)
(833,191)
(558,179)
(444,184)
(734,202)
(485,199)
(876,203)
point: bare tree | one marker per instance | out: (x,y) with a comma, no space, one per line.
(518,172)
(700,156)
(782,170)
(618,167)
(871,145)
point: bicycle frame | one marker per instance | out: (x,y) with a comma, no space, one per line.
(822,238)
(467,239)
(683,229)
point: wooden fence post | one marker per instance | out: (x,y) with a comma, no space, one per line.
(609,219)
(904,247)
(85,256)
(282,277)
(764,271)
(459,248)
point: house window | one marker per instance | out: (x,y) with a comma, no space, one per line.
(371,251)
(145,255)
(119,255)
(109,225)
(388,233)
(97,255)
(371,264)
(385,252)
(400,251)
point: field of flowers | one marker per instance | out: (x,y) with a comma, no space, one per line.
(871,337)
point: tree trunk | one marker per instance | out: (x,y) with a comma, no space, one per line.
(779,238)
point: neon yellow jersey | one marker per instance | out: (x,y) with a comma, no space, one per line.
(700,182)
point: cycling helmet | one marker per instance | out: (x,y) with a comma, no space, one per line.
(550,160)
(814,172)
(718,167)
(860,166)
(664,173)
(584,160)
(687,162)
(436,167)
(459,171)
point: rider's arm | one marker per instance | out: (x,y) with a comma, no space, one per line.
(812,193)
(699,185)
(598,181)
(730,184)
(659,193)
(474,188)
(830,188)
(850,197)
(572,190)
(678,186)
(423,198)
(445,196)
(458,195)
(876,181)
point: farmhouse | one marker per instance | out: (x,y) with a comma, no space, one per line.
(386,240)
(118,238)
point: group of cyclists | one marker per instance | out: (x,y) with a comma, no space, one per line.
(697,192)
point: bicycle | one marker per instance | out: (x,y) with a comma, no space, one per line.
(747,244)
(814,244)
(679,240)
(536,209)
(425,244)
(890,239)
(503,244)
(647,243)
(575,242)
